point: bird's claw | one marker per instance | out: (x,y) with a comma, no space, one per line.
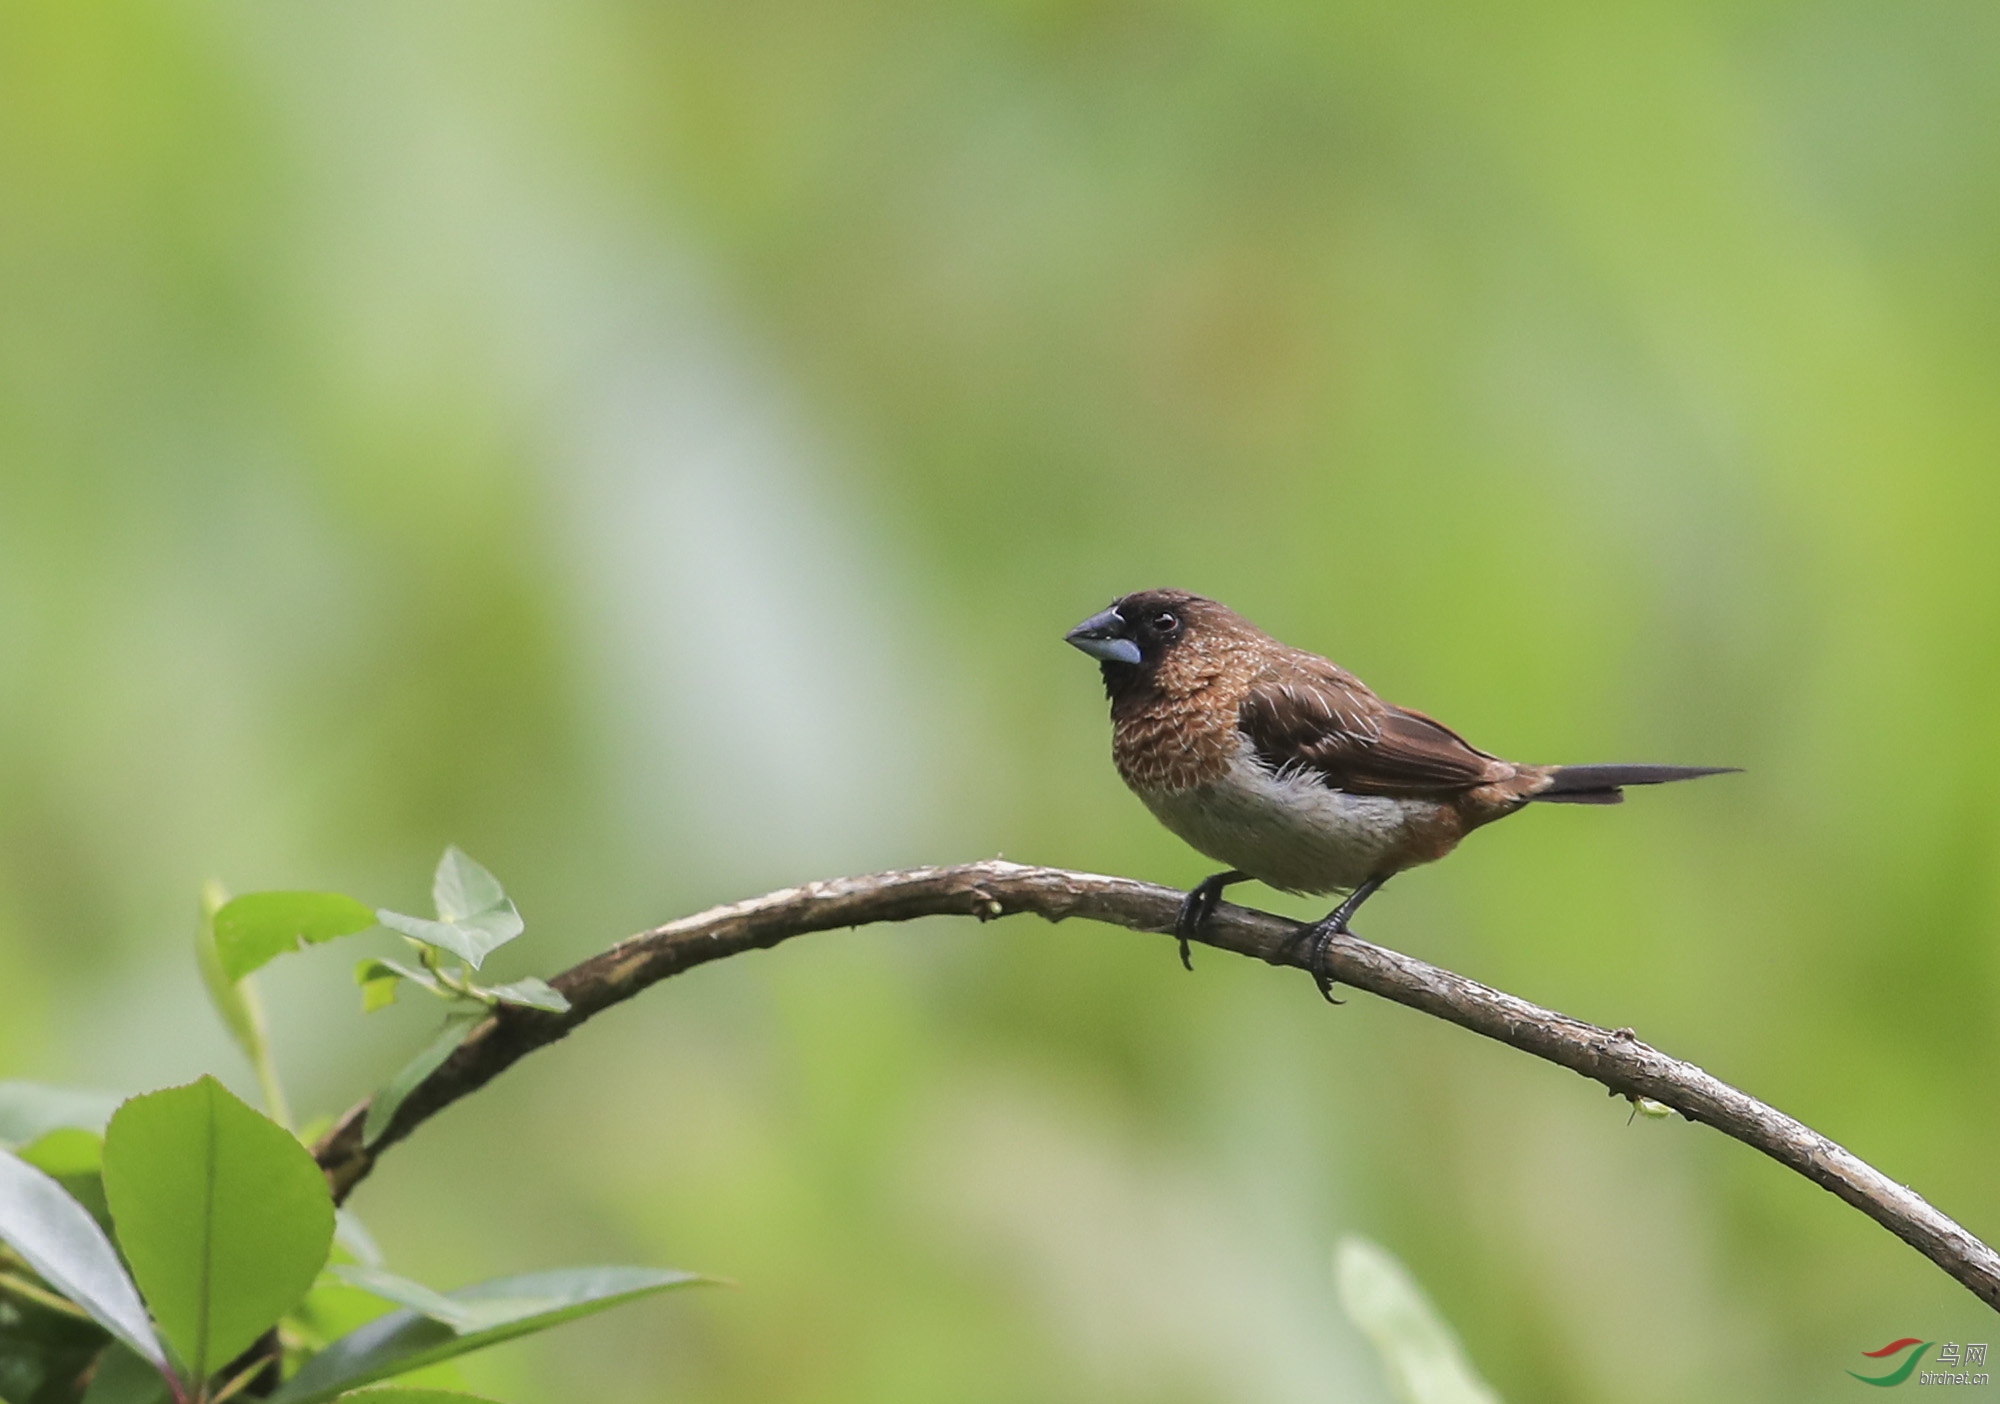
(1323,934)
(1197,907)
(1184,928)
(1333,924)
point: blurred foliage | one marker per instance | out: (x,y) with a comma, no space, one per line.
(659,446)
(1419,1353)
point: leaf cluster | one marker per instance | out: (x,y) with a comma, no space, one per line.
(474,918)
(180,1247)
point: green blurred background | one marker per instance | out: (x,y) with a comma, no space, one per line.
(658,447)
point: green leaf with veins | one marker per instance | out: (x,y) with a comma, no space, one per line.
(474,914)
(222,1214)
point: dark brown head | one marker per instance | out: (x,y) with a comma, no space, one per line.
(1160,641)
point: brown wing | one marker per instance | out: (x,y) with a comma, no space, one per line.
(1308,715)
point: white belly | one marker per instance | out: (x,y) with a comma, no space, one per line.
(1291,832)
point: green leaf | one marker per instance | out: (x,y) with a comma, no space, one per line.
(69,1151)
(123,1378)
(394,1394)
(237,1003)
(74,1159)
(330,1311)
(383,1106)
(56,1237)
(257,926)
(461,1317)
(354,1238)
(236,1007)
(378,980)
(407,1340)
(474,915)
(471,939)
(29,1110)
(461,888)
(1419,1353)
(223,1216)
(529,994)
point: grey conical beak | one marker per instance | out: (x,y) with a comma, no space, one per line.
(1102,636)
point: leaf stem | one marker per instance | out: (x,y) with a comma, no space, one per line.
(459,983)
(41,1296)
(268,1087)
(242,1381)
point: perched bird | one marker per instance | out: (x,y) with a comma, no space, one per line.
(1288,769)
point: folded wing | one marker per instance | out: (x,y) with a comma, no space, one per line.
(1307,715)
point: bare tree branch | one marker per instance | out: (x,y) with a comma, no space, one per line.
(995,889)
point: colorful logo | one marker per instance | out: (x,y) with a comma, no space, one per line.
(1901,1372)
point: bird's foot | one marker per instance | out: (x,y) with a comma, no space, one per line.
(1321,933)
(1197,907)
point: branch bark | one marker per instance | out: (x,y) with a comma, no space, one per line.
(996,889)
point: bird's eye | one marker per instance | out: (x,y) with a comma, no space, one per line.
(1165,622)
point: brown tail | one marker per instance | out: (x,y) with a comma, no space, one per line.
(1604,784)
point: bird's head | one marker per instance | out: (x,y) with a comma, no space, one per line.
(1141,632)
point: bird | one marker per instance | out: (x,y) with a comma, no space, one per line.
(1286,767)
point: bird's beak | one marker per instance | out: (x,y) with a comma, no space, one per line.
(1102,636)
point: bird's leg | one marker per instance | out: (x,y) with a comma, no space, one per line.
(1334,923)
(1198,905)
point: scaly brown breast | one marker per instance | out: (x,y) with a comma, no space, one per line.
(1173,744)
(1179,729)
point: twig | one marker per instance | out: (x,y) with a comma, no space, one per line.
(21,1288)
(995,889)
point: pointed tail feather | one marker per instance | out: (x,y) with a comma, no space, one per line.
(1604,784)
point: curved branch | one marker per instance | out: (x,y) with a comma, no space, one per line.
(996,889)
